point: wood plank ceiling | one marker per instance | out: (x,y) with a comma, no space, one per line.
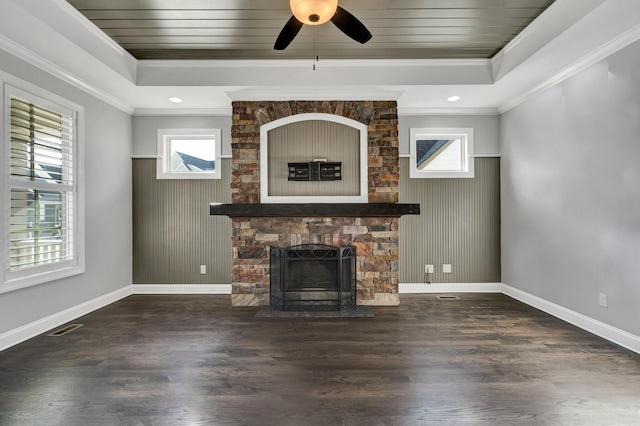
(247,29)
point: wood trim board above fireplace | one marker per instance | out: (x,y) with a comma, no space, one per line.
(315,210)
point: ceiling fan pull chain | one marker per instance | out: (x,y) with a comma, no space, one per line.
(315,47)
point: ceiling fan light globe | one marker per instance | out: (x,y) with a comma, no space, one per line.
(313,12)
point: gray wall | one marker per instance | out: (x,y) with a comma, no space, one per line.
(459,224)
(145,140)
(107,208)
(173,232)
(571,192)
(486,130)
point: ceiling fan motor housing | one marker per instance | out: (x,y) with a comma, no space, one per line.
(316,12)
(313,12)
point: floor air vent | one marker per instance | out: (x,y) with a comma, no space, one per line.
(448,297)
(66,329)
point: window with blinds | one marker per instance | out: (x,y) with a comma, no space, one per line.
(42,188)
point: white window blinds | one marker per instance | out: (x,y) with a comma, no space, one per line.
(42,185)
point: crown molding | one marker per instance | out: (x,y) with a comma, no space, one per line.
(91,27)
(330,94)
(548,26)
(595,56)
(448,111)
(296,63)
(272,95)
(157,112)
(38,61)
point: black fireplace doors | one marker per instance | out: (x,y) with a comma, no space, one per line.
(312,277)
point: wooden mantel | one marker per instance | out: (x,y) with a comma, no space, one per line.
(315,210)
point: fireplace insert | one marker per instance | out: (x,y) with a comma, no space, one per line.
(312,277)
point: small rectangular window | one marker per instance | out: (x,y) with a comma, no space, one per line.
(188,154)
(42,191)
(441,153)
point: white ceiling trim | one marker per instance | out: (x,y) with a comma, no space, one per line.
(296,63)
(300,73)
(43,64)
(153,112)
(447,111)
(549,25)
(328,94)
(425,72)
(90,26)
(626,38)
(226,112)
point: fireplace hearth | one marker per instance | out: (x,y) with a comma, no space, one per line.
(312,277)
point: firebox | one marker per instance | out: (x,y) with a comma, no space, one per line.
(312,277)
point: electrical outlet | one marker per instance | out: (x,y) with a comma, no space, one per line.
(203,269)
(446,268)
(602,300)
(428,269)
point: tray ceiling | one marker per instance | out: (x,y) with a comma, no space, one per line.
(247,29)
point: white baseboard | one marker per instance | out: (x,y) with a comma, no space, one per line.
(26,332)
(181,288)
(612,334)
(450,288)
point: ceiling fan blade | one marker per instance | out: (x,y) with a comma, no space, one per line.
(288,33)
(351,26)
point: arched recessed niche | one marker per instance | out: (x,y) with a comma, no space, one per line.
(310,137)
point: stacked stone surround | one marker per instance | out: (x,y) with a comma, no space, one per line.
(376,238)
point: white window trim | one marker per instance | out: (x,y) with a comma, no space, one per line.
(40,274)
(163,170)
(362,197)
(465,134)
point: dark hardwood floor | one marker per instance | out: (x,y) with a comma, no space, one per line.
(193,360)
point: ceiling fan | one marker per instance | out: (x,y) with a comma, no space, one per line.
(316,12)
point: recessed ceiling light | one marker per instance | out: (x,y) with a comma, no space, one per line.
(453,98)
(175,100)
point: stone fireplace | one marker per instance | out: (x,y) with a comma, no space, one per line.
(375,235)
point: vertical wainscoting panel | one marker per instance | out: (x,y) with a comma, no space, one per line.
(309,140)
(173,233)
(459,225)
